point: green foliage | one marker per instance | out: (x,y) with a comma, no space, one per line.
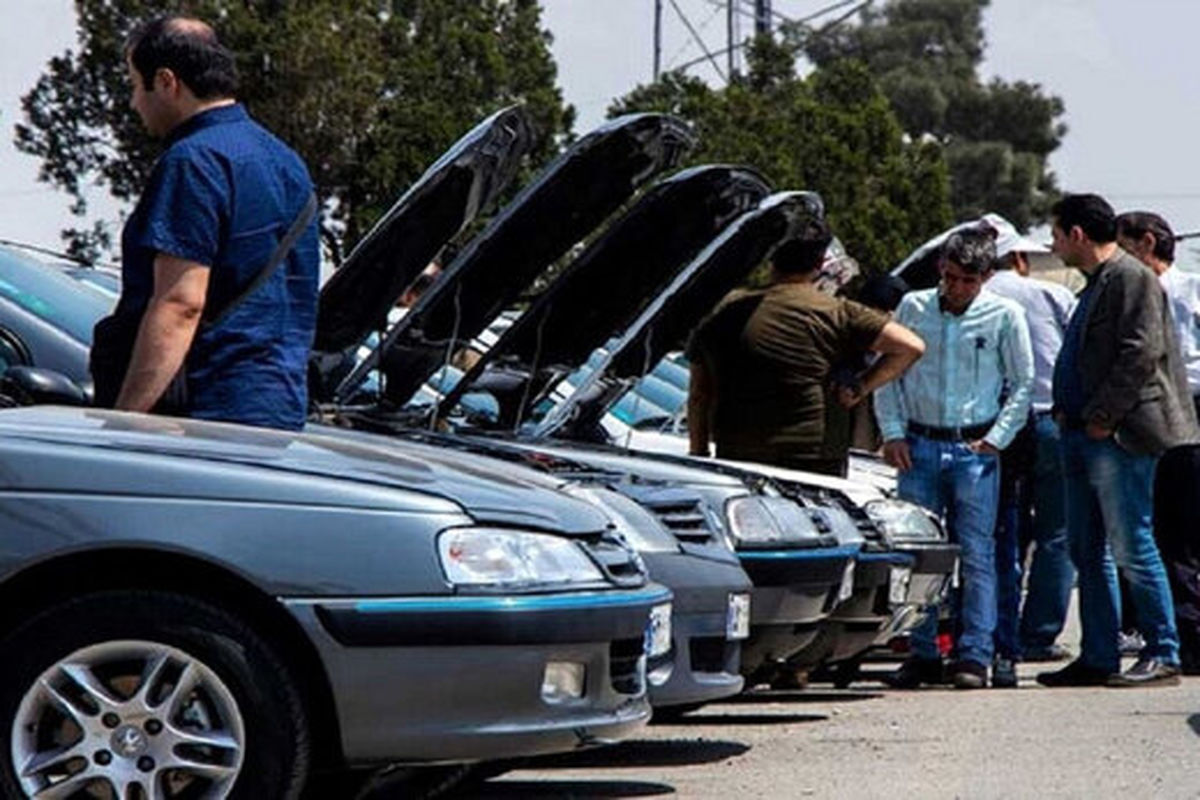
(369,92)
(925,55)
(833,133)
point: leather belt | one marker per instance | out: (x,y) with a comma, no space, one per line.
(964,434)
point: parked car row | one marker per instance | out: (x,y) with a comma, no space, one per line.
(456,562)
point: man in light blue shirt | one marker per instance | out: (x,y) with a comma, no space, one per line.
(944,423)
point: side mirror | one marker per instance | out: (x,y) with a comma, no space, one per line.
(27,386)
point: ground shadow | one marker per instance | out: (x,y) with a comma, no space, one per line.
(799,696)
(744,719)
(1194,723)
(643,753)
(568,790)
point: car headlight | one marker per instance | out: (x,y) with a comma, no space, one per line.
(768,521)
(495,557)
(902,521)
(637,526)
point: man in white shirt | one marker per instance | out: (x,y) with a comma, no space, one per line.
(1032,510)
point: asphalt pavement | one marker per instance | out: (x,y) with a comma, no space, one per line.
(872,742)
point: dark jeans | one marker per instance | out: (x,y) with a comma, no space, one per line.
(1176,485)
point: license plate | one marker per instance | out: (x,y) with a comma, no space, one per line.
(737,619)
(898,584)
(847,587)
(658,631)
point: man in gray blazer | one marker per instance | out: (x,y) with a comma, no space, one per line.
(1121,397)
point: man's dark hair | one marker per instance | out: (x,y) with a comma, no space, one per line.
(973,249)
(883,292)
(804,252)
(187,47)
(1136,224)
(1091,213)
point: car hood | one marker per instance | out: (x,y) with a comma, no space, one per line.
(619,273)
(452,192)
(57,449)
(666,322)
(560,207)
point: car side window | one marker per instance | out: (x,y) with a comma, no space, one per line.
(13,351)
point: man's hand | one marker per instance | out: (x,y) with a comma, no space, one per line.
(983,447)
(850,396)
(897,454)
(1097,431)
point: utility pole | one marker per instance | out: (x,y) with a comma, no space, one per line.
(762,17)
(731,35)
(657,38)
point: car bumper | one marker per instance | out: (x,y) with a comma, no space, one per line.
(794,590)
(911,595)
(705,659)
(457,679)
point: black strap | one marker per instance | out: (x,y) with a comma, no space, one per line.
(299,224)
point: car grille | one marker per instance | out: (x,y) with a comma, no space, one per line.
(817,495)
(685,519)
(620,563)
(710,653)
(624,660)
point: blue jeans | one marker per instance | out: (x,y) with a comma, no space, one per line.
(1051,573)
(962,486)
(1109,505)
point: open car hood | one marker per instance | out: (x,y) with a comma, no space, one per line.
(452,192)
(601,292)
(567,201)
(667,321)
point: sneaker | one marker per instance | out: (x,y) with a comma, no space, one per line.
(1147,672)
(916,671)
(1004,673)
(1130,643)
(1074,674)
(1051,652)
(969,674)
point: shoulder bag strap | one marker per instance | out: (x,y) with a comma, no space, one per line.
(299,224)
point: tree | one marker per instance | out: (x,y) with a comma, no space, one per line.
(925,55)
(369,92)
(832,132)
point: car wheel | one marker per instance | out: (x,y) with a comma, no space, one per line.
(147,695)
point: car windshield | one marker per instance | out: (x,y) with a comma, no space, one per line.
(64,302)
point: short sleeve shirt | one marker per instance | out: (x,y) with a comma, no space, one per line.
(223,194)
(771,354)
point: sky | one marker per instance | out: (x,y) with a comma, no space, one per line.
(1126,71)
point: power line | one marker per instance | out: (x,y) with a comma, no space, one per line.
(699,40)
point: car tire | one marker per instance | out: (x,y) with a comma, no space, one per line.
(210,674)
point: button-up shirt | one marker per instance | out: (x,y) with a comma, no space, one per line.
(972,360)
(1047,308)
(1183,298)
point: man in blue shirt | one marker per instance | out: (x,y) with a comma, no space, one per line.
(944,423)
(219,199)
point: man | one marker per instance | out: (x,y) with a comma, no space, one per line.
(1031,495)
(1119,395)
(1149,238)
(220,198)
(944,424)
(761,363)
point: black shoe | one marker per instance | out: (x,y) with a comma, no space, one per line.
(1051,652)
(1074,674)
(1147,672)
(968,675)
(916,671)
(1004,673)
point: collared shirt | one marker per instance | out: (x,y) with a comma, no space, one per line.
(1183,298)
(223,194)
(1068,381)
(971,360)
(1047,308)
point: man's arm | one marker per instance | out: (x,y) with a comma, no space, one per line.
(1016,365)
(900,348)
(166,331)
(702,395)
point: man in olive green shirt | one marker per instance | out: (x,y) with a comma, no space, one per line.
(761,363)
